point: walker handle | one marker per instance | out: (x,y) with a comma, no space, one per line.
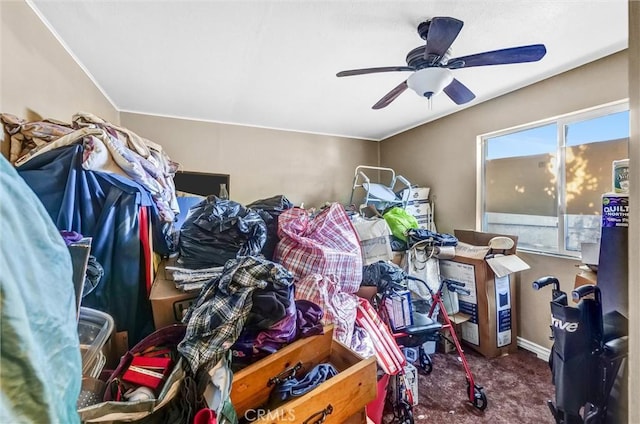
(457,286)
(545,281)
(419,280)
(460,290)
(585,290)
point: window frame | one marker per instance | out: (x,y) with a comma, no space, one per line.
(561,122)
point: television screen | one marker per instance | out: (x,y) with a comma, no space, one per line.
(201,183)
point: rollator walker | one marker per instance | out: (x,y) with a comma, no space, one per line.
(588,351)
(430,319)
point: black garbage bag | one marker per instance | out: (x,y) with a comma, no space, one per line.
(382,275)
(270,209)
(217,230)
(416,235)
(398,245)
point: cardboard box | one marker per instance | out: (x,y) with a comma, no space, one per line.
(425,222)
(168,304)
(613,259)
(446,344)
(398,257)
(418,209)
(492,328)
(585,276)
(421,211)
(417,194)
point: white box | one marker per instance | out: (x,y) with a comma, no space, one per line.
(419,193)
(429,347)
(399,309)
(416,194)
(425,222)
(418,209)
(590,253)
(410,377)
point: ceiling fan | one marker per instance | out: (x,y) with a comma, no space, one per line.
(431,65)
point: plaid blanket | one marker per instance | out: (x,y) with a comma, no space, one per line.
(217,318)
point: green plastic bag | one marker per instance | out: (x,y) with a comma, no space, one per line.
(400,221)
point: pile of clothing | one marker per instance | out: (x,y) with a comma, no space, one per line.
(108,183)
(259,303)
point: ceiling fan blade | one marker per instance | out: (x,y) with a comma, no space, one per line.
(520,54)
(374,70)
(442,32)
(390,96)
(458,92)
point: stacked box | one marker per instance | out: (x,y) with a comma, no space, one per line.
(419,206)
(168,303)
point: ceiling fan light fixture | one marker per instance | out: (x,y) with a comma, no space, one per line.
(428,82)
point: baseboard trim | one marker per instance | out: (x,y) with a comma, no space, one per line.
(540,351)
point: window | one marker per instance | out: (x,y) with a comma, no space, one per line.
(544,182)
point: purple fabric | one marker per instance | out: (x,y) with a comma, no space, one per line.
(282,332)
(70,236)
(309,318)
(303,319)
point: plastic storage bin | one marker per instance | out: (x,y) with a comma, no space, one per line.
(94,329)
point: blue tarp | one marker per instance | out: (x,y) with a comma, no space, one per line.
(103,206)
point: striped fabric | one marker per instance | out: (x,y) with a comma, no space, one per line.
(388,354)
(325,244)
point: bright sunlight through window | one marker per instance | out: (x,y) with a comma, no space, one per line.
(544,182)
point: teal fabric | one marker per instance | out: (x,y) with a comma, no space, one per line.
(40,363)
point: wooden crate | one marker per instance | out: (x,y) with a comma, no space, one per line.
(345,394)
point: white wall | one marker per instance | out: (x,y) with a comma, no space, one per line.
(38,78)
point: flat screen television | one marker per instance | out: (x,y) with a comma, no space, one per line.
(201,183)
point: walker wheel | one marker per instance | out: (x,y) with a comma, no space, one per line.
(425,362)
(406,413)
(479,398)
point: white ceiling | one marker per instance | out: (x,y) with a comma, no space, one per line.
(273,63)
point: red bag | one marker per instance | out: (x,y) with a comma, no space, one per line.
(167,336)
(390,357)
(325,244)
